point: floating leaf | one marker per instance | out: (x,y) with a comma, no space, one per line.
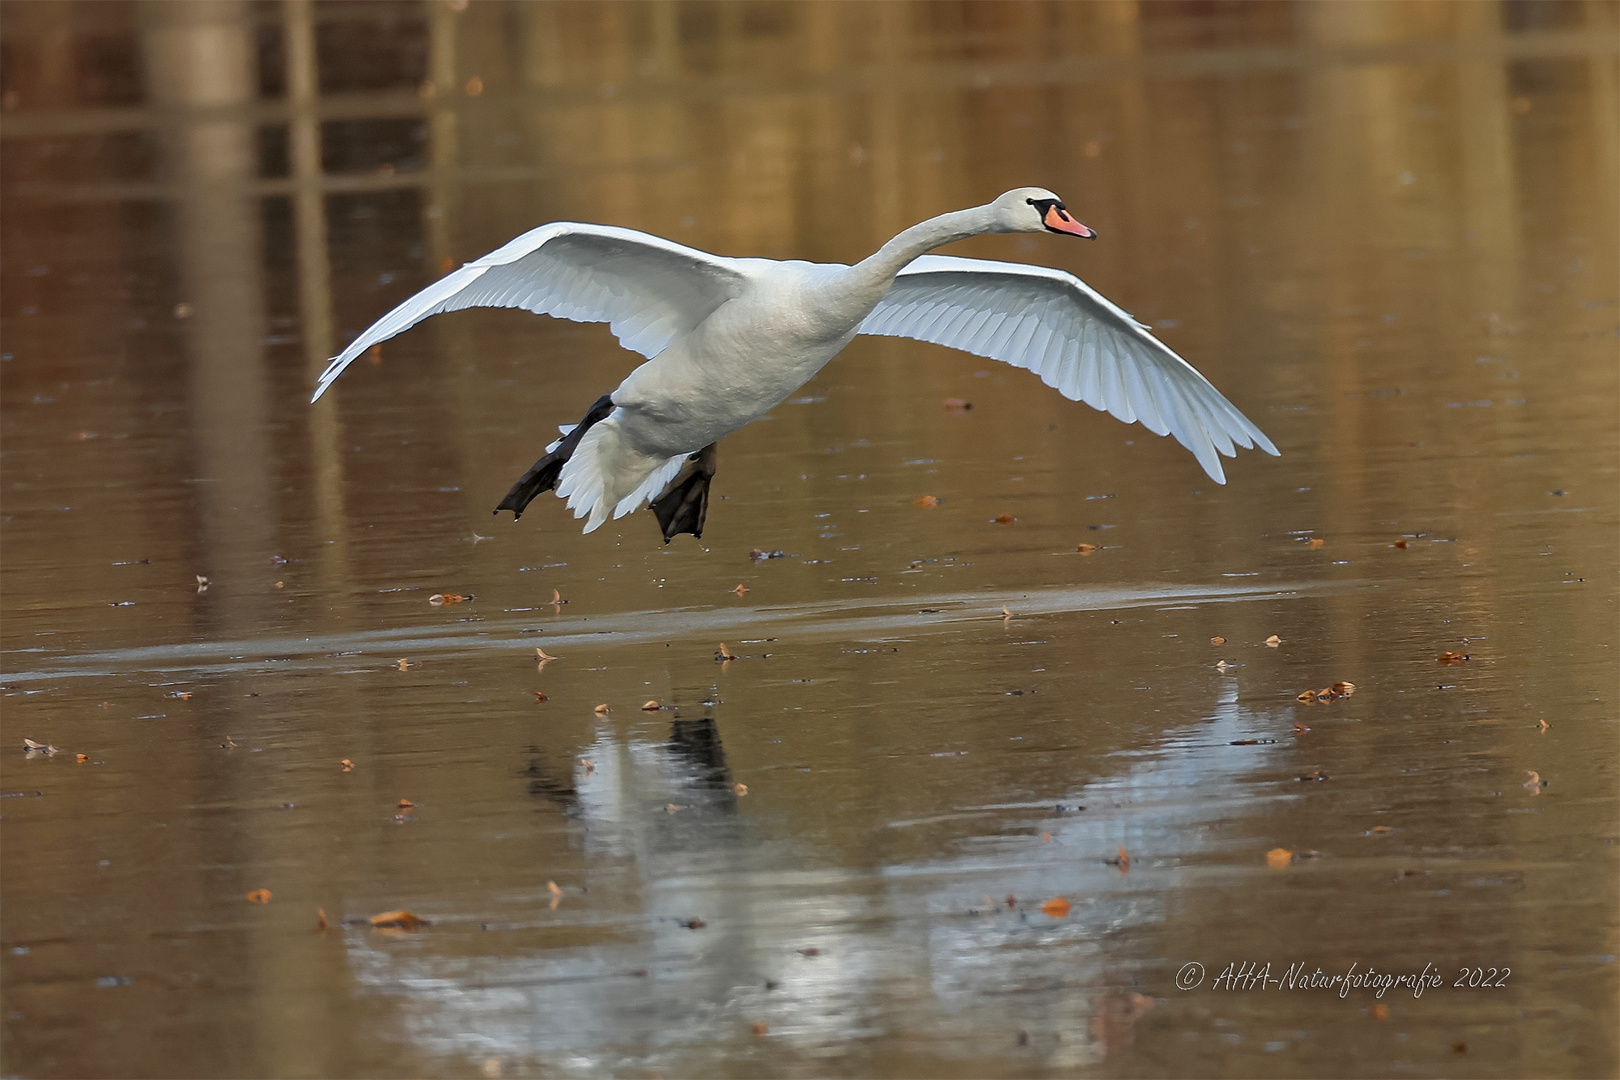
(540,695)
(1003,519)
(1314,774)
(1273,641)
(1279,857)
(1300,729)
(651,706)
(590,766)
(1005,613)
(1046,838)
(759,1027)
(1057,907)
(1452,658)
(1542,725)
(1317,541)
(1402,544)
(725,653)
(1535,783)
(398,920)
(404,804)
(320,918)
(1085,549)
(440,599)
(402,663)
(1217,640)
(671,808)
(541,654)
(600,710)
(1122,860)
(1381,830)
(81,758)
(740,589)
(346,765)
(694,924)
(956,404)
(812,951)
(739,790)
(1221,666)
(259,896)
(1380,1011)
(925,501)
(1344,689)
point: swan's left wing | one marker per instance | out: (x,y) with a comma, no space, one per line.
(648,289)
(1079,343)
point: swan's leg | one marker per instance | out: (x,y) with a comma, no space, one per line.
(543,475)
(685,502)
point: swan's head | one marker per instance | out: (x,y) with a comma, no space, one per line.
(1033,209)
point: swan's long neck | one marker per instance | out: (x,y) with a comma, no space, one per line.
(878,270)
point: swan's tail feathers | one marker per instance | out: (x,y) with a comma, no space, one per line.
(685,502)
(605,475)
(544,473)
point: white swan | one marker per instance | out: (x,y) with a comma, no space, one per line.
(729,339)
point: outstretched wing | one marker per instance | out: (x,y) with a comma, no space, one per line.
(649,290)
(1079,343)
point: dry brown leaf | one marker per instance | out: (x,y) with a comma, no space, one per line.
(1344,689)
(1122,860)
(1057,907)
(1221,666)
(600,710)
(320,918)
(1279,857)
(956,404)
(725,653)
(404,804)
(81,758)
(740,589)
(1535,783)
(590,766)
(440,599)
(398,920)
(1085,549)
(812,951)
(739,790)
(1307,696)
(925,501)
(1402,544)
(1003,519)
(1300,729)
(1542,725)
(1046,838)
(1449,657)
(402,663)
(1217,640)
(759,1027)
(1005,613)
(651,706)
(541,654)
(1314,774)
(670,808)
(1273,641)
(346,765)
(1380,1011)
(1381,830)
(540,695)
(551,887)
(694,924)
(1317,541)
(259,896)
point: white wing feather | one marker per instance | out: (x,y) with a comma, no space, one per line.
(650,290)
(1079,343)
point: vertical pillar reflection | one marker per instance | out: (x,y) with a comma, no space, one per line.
(314,270)
(200,74)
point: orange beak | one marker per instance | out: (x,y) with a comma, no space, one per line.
(1060,221)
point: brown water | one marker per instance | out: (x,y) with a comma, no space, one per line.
(1386,232)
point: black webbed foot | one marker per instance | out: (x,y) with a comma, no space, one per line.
(543,475)
(685,502)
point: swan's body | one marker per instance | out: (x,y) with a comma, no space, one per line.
(727,340)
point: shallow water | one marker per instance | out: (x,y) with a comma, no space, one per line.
(1385,232)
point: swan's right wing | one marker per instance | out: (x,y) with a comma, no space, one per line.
(648,289)
(1079,343)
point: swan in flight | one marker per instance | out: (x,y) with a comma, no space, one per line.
(727,340)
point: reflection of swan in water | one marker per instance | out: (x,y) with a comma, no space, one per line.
(897,947)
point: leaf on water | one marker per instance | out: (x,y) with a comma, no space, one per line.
(1314,774)
(1380,1011)
(1005,613)
(1344,689)
(1300,729)
(694,924)
(1278,857)
(1381,830)
(182,695)
(1221,666)
(651,706)
(956,404)
(1057,907)
(812,951)
(1402,544)
(925,501)
(403,663)
(259,896)
(281,584)
(1535,783)
(1273,641)
(725,653)
(1085,549)
(552,888)
(398,920)
(740,589)
(404,804)
(600,710)
(1317,541)
(590,766)
(759,1027)
(540,695)
(556,597)
(671,808)
(1452,658)
(1122,860)
(541,654)
(347,765)
(739,790)
(1003,519)
(440,599)
(1542,725)
(1217,640)
(81,758)
(320,918)
(1046,838)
